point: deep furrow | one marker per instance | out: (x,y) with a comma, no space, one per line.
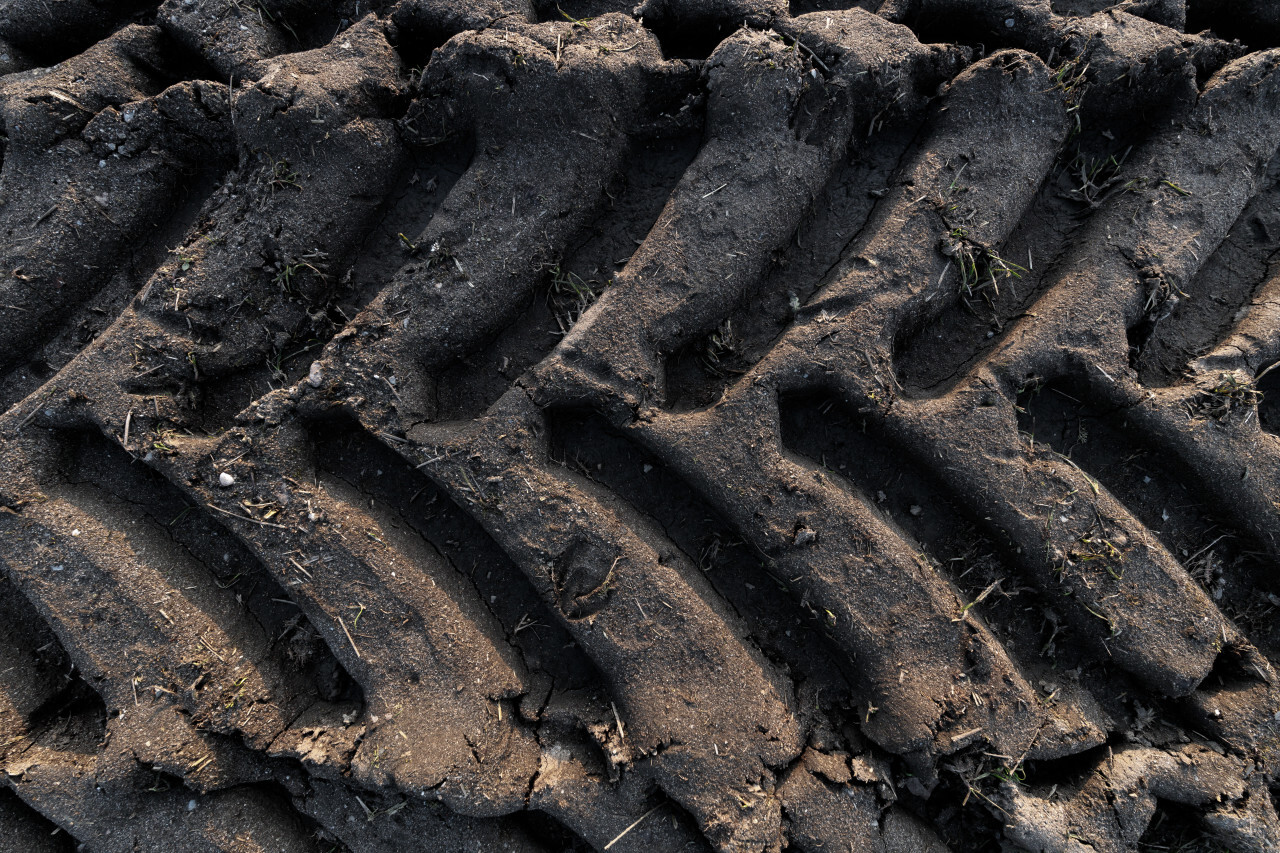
(613,589)
(1099,59)
(1254,22)
(1238,701)
(385,478)
(223,305)
(1115,802)
(34,669)
(1140,43)
(1220,301)
(38,33)
(143,622)
(93,460)
(581,442)
(435,671)
(1207,216)
(893,309)
(1111,447)
(1028,355)
(694,29)
(1235,703)
(1251,345)
(1156,236)
(236,37)
(117,784)
(391,823)
(699,372)
(417,193)
(587,269)
(607,595)
(1055,512)
(824,794)
(134,141)
(914,502)
(503,226)
(755,214)
(836,551)
(704,809)
(47,355)
(28,831)
(810,527)
(930,360)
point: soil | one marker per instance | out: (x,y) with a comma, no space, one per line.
(739,426)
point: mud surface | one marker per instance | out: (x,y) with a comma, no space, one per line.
(735,425)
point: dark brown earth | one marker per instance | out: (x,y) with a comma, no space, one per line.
(703,425)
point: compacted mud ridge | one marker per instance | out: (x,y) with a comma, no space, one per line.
(719,425)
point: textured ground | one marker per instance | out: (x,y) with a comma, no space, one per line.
(708,425)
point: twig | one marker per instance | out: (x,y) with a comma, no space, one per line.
(434,460)
(245,517)
(633,826)
(1258,378)
(621,735)
(812,55)
(1093,484)
(368,813)
(349,639)
(29,418)
(973,790)
(1207,547)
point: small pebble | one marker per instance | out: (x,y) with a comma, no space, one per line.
(315,376)
(226,480)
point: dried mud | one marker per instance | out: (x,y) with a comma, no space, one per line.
(728,425)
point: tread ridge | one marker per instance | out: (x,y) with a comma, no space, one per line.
(273,581)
